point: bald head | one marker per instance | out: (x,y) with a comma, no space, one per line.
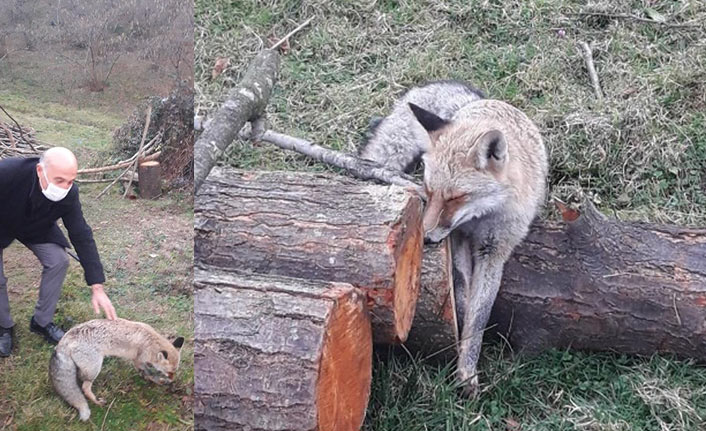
(60,166)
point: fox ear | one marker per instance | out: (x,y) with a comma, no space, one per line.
(178,342)
(431,122)
(492,150)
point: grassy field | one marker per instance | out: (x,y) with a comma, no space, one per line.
(639,154)
(147,251)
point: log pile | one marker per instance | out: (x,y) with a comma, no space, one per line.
(18,141)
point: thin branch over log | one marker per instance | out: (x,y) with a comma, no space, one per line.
(245,102)
(359,168)
(291,33)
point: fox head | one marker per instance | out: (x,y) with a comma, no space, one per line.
(159,362)
(464,172)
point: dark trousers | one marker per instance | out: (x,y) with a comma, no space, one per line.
(54,262)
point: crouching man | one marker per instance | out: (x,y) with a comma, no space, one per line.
(34,194)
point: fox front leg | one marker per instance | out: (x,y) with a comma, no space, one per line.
(480,296)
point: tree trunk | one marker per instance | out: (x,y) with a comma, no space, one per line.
(150,184)
(591,283)
(596,283)
(316,226)
(275,353)
(245,102)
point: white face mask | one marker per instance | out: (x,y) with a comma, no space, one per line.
(53,192)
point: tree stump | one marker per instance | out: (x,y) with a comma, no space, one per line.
(317,226)
(150,175)
(275,353)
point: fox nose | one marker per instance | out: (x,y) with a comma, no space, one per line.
(428,241)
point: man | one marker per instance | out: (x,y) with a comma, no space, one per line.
(34,194)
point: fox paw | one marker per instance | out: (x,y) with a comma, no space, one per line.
(468,384)
(100,402)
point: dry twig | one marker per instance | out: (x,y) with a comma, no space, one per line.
(588,58)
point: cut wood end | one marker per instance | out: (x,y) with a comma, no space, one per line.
(409,269)
(449,310)
(345,372)
(150,163)
(567,214)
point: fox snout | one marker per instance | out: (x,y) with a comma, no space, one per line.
(434,222)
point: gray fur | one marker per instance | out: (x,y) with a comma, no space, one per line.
(398,140)
(62,372)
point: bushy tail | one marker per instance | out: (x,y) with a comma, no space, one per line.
(62,372)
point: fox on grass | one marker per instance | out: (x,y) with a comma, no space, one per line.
(78,358)
(485,169)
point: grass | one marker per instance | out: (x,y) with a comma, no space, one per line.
(147,251)
(558,390)
(640,154)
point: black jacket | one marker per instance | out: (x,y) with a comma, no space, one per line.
(28,216)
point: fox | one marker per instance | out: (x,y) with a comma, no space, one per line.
(485,170)
(78,357)
(398,140)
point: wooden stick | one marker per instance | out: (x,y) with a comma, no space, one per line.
(19,127)
(148,117)
(635,18)
(9,135)
(359,168)
(291,33)
(245,102)
(125,163)
(588,57)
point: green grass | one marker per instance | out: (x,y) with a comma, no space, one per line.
(558,390)
(644,141)
(640,154)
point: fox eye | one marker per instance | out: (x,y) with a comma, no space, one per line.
(457,198)
(164,352)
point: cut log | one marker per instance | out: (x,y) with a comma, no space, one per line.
(150,174)
(434,330)
(599,284)
(275,353)
(593,283)
(317,226)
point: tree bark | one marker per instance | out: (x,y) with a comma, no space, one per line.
(589,283)
(245,102)
(316,226)
(275,353)
(150,175)
(599,284)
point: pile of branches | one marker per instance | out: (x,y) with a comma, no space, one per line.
(17,140)
(172,119)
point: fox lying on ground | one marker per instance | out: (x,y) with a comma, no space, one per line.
(77,359)
(485,169)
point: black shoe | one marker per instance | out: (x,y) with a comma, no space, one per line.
(5,341)
(51,332)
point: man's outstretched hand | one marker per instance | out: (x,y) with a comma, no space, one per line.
(101,301)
